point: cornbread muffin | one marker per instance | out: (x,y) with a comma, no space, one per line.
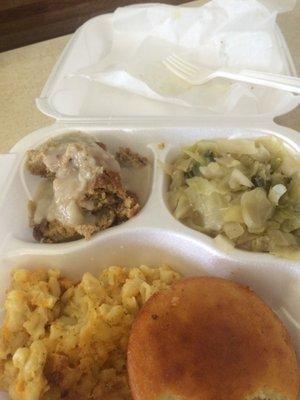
(66,340)
(83,191)
(210,339)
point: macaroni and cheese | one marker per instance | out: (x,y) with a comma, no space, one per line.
(66,340)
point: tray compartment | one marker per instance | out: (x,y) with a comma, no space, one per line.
(132,246)
(23,185)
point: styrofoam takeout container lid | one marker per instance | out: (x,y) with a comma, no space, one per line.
(82,99)
(153,237)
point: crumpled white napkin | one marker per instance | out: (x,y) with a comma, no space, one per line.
(231,33)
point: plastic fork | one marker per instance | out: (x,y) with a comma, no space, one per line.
(197,75)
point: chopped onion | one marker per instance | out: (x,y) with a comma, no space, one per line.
(233,230)
(238,179)
(212,170)
(276,192)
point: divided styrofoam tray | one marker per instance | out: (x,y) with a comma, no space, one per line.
(152,237)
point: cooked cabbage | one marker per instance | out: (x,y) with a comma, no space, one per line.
(241,191)
(256,209)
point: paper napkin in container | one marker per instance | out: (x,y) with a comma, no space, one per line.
(231,33)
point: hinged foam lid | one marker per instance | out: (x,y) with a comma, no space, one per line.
(77,98)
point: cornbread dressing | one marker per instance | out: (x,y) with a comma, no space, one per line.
(85,189)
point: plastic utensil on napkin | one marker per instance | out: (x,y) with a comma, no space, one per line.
(231,33)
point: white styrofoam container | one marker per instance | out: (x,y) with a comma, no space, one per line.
(153,237)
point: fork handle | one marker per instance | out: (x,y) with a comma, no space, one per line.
(277,81)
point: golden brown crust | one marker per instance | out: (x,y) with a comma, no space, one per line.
(209,338)
(36,165)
